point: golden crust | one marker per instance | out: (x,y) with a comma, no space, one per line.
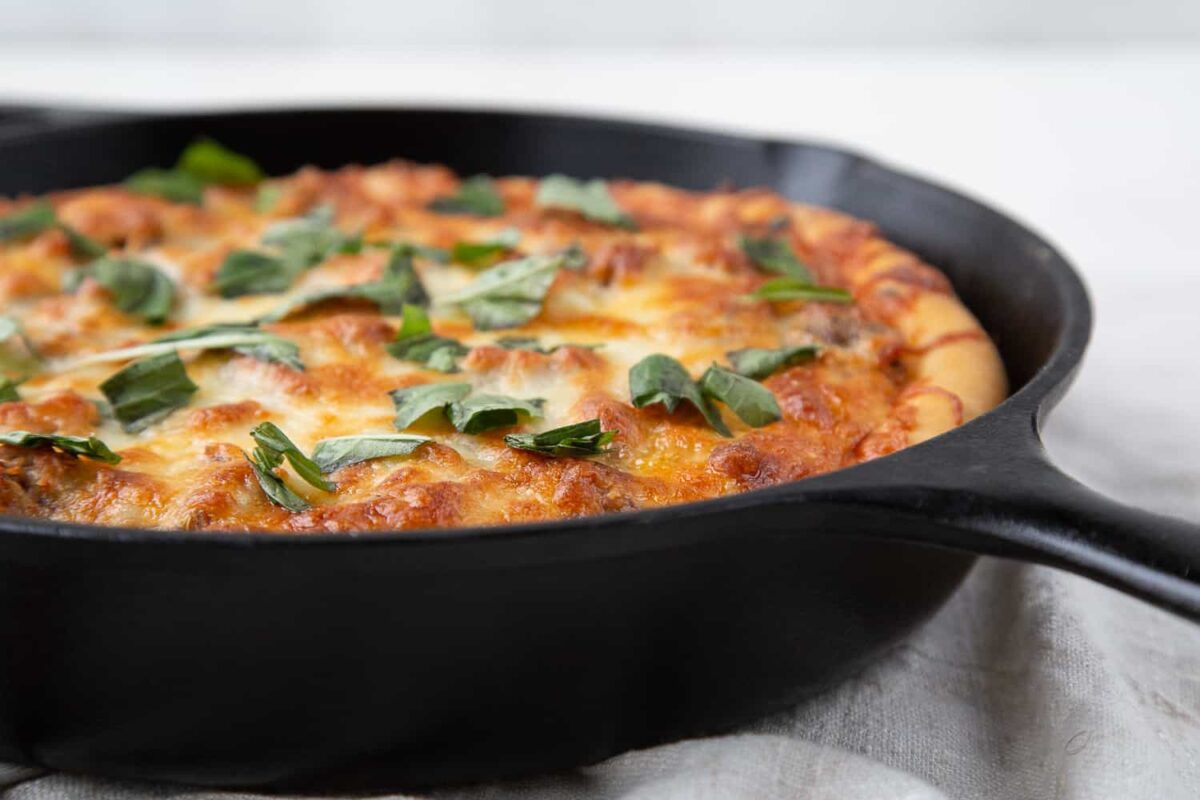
(905,362)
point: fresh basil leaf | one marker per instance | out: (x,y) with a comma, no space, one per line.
(534,346)
(260,345)
(342,451)
(82,247)
(147,390)
(477,195)
(775,255)
(271,439)
(210,162)
(760,362)
(780,289)
(136,287)
(399,286)
(304,242)
(524,343)
(8,390)
(438,254)
(486,252)
(245,339)
(28,221)
(18,358)
(39,217)
(250,272)
(170,184)
(308,240)
(661,379)
(591,199)
(267,197)
(89,447)
(485,412)
(311,238)
(201,163)
(290,307)
(751,401)
(272,485)
(417,401)
(508,294)
(416,341)
(579,440)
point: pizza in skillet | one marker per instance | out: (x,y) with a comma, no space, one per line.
(398,347)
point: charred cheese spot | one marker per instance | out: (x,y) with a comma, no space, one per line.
(903,363)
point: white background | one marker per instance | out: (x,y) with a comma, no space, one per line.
(602,23)
(1080,118)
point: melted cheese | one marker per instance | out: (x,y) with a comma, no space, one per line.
(677,286)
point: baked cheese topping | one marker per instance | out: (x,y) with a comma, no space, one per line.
(549,303)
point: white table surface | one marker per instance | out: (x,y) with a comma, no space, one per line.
(1099,150)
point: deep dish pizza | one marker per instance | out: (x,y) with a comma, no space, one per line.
(396,347)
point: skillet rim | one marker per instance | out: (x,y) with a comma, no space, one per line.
(1021,408)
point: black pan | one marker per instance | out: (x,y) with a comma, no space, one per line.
(433,656)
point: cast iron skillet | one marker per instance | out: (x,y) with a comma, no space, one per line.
(427,657)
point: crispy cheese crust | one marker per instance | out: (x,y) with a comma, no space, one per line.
(904,362)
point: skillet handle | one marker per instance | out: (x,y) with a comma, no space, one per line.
(1022,506)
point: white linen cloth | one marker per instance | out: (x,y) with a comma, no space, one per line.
(1030,684)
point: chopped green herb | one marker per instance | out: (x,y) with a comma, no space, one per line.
(245,339)
(18,358)
(304,242)
(751,401)
(485,412)
(136,287)
(477,195)
(203,162)
(170,184)
(508,294)
(28,221)
(438,254)
(250,272)
(398,287)
(210,162)
(89,447)
(591,199)
(264,464)
(534,346)
(82,247)
(415,402)
(775,255)
(8,390)
(342,451)
(579,440)
(486,252)
(416,341)
(661,379)
(272,440)
(759,362)
(147,390)
(40,216)
(780,289)
(308,240)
